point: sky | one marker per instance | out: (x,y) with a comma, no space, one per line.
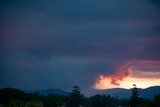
(94,44)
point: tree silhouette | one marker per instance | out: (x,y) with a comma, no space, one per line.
(157,98)
(134,96)
(75,99)
(103,101)
(52,100)
(76,90)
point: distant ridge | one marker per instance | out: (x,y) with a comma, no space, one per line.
(49,91)
(148,93)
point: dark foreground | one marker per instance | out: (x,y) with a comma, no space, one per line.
(10,97)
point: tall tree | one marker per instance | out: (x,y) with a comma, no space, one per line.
(76,90)
(157,98)
(75,99)
(134,96)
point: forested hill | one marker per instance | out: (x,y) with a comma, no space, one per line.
(148,93)
(48,91)
(11,97)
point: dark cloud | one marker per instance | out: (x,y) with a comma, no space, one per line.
(61,43)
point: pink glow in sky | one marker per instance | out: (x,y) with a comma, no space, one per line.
(142,73)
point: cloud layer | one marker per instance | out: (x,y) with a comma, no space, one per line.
(59,44)
(139,72)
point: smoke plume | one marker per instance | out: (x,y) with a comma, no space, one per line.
(113,80)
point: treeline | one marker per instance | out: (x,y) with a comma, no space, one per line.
(10,97)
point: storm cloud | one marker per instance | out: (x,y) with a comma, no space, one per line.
(59,43)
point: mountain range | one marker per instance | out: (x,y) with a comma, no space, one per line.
(49,91)
(148,93)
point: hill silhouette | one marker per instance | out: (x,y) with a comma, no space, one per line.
(148,93)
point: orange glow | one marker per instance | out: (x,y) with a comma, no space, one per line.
(129,74)
(140,82)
